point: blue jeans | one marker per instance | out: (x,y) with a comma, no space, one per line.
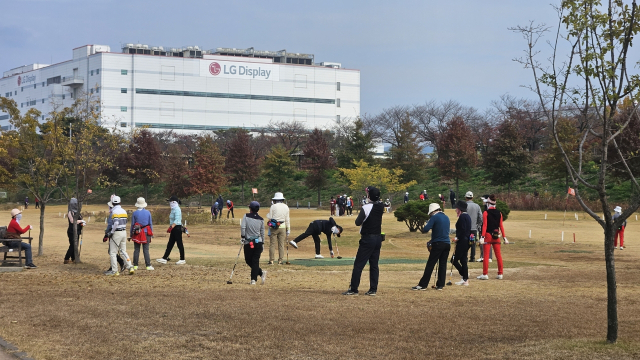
(27,251)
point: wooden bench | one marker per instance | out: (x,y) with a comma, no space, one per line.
(13,259)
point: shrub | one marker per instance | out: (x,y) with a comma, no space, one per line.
(415,214)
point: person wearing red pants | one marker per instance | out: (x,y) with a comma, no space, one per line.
(492,227)
(620,231)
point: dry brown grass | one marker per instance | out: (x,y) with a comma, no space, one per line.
(550,305)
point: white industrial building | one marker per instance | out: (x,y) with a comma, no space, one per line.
(190,89)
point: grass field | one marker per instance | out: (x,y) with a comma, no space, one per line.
(550,305)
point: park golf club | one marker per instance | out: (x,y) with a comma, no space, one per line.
(288,263)
(435,278)
(234,265)
(337,250)
(451,272)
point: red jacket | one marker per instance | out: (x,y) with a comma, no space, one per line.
(230,205)
(15,228)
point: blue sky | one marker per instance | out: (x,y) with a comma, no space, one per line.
(408,52)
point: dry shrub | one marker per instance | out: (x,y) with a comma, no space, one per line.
(524,201)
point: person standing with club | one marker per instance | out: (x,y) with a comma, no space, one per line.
(463,235)
(70,257)
(485,199)
(619,231)
(175,232)
(230,209)
(317,227)
(141,233)
(491,229)
(438,224)
(370,221)
(118,238)
(106,238)
(252,238)
(279,212)
(475,213)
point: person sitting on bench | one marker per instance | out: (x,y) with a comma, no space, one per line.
(14,231)
(327,227)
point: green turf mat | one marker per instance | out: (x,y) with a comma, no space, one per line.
(349,262)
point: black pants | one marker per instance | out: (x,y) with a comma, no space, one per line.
(70,252)
(368,250)
(230,211)
(473,248)
(219,213)
(349,210)
(252,258)
(439,254)
(313,232)
(460,258)
(175,238)
(37,205)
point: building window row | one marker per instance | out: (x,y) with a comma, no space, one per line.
(234,96)
(123,90)
(123,72)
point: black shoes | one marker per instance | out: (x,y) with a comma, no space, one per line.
(370,293)
(440,288)
(349,292)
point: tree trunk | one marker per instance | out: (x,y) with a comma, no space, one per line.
(457,188)
(75,234)
(41,235)
(242,192)
(612,297)
(318,196)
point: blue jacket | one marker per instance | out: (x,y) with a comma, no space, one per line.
(439,226)
(142,217)
(175,217)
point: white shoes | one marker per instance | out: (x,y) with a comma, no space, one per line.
(318,256)
(264,276)
(463,283)
(499,277)
(293,243)
(483,277)
(161,261)
(150,268)
(480,260)
(253,282)
(181,262)
(621,248)
(490,260)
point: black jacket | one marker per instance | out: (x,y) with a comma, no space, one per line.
(324,227)
(463,227)
(370,218)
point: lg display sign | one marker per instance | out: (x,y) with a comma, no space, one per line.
(240,70)
(26,79)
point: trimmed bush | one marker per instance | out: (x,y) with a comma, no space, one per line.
(415,214)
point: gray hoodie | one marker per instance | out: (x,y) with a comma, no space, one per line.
(475,213)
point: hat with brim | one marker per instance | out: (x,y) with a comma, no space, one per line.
(173,198)
(461,205)
(141,203)
(15,212)
(110,204)
(618,209)
(433,207)
(278,196)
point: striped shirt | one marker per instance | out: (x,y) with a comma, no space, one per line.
(119,218)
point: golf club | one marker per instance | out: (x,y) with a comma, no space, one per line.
(234,265)
(288,263)
(80,245)
(451,272)
(337,250)
(436,275)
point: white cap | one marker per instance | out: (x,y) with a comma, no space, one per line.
(115,200)
(407,193)
(278,196)
(433,207)
(469,194)
(618,209)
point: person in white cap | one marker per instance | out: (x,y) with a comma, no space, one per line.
(475,212)
(406,197)
(141,232)
(440,245)
(620,230)
(280,227)
(106,238)
(14,230)
(118,238)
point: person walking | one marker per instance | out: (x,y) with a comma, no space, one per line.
(452,198)
(14,230)
(440,244)
(387,205)
(26,202)
(141,233)
(317,227)
(175,232)
(220,202)
(252,237)
(462,240)
(475,213)
(406,197)
(72,209)
(620,230)
(485,199)
(370,221)
(349,206)
(118,238)
(340,204)
(37,203)
(332,203)
(492,227)
(230,209)
(280,227)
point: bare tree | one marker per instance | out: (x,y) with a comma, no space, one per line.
(290,134)
(592,77)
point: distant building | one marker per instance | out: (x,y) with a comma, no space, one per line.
(190,88)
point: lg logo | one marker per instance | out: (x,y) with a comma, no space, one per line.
(214,68)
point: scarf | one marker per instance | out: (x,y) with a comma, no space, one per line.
(173,204)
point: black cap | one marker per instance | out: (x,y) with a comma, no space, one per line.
(174,198)
(254,206)
(374,193)
(461,205)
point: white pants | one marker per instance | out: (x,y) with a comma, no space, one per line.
(118,241)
